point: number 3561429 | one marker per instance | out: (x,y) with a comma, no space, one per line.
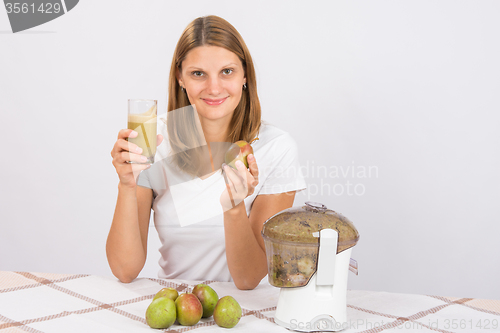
(18,7)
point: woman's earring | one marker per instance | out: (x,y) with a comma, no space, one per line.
(245,86)
(182,88)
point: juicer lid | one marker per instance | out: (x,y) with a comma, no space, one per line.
(301,225)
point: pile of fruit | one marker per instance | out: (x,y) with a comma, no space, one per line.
(188,308)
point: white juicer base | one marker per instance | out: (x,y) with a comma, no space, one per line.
(316,308)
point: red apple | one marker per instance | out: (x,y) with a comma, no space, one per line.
(238,151)
(189,309)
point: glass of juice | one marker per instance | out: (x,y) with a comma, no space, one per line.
(142,119)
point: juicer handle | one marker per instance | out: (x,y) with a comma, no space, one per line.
(326,257)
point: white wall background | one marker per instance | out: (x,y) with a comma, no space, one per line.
(409,88)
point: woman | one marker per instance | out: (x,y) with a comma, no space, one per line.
(209,223)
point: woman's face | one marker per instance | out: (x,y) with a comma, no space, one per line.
(213,78)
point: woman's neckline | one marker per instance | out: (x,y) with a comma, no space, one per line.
(208,175)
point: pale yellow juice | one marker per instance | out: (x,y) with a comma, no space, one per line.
(145,125)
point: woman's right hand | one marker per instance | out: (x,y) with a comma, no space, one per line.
(124,152)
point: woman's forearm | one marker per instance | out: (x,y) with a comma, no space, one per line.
(125,250)
(245,258)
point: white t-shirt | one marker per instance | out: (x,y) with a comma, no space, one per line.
(187,211)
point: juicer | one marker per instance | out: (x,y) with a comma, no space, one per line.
(308,252)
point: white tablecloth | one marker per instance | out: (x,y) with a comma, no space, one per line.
(45,302)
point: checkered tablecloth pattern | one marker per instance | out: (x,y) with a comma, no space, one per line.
(45,302)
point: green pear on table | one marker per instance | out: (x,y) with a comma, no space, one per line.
(227,312)
(208,298)
(167,292)
(189,309)
(161,313)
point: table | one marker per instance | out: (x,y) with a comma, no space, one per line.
(46,302)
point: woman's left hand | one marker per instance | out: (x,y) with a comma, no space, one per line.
(240,183)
